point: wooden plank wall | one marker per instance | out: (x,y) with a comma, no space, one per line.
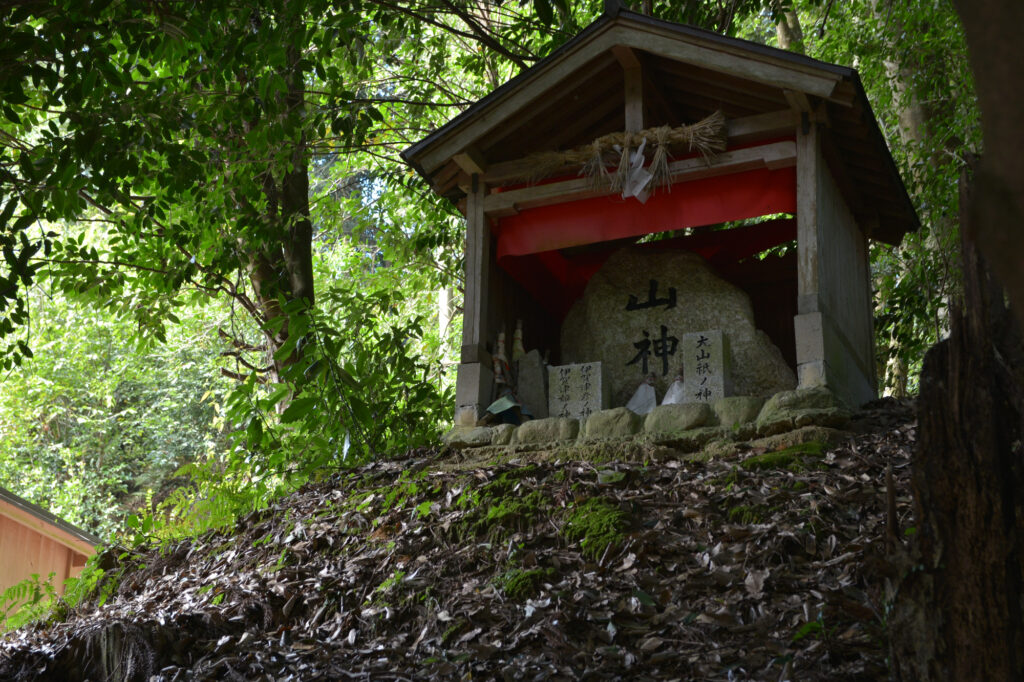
(845,285)
(24,551)
(834,327)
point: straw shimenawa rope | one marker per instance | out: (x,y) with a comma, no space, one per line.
(707,137)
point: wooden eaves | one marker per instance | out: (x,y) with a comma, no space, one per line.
(46,524)
(677,74)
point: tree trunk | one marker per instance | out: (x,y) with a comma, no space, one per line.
(896,371)
(918,111)
(285,269)
(992,28)
(957,612)
(787,28)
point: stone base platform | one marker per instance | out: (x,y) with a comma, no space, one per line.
(789,417)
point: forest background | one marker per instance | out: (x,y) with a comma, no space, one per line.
(219,279)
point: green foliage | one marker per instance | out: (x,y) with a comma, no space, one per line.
(394,579)
(513,512)
(747,514)
(94,419)
(361,388)
(153,159)
(813,629)
(35,600)
(198,133)
(912,59)
(27,601)
(88,584)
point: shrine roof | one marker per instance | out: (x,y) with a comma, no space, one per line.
(576,94)
(46,524)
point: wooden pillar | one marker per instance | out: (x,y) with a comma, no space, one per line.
(808,160)
(475,377)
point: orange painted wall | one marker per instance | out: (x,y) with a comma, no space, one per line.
(24,551)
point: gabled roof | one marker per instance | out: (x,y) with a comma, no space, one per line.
(576,94)
(46,524)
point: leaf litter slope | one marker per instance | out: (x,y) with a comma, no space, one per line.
(690,570)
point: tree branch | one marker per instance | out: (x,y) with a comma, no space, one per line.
(240,377)
(237,355)
(240,345)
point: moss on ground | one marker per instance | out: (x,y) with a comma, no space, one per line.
(727,480)
(747,514)
(520,584)
(595,523)
(796,458)
(511,513)
(393,496)
(501,507)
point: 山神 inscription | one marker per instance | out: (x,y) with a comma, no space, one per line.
(652,298)
(663,348)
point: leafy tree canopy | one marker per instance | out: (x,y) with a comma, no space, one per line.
(154,156)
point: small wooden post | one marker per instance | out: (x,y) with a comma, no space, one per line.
(634,88)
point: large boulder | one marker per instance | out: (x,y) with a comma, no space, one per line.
(636,309)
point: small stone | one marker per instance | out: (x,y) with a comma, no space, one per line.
(532,384)
(817,397)
(705,366)
(502,434)
(807,434)
(548,430)
(616,423)
(689,441)
(576,391)
(468,437)
(678,417)
(738,410)
(721,449)
(790,410)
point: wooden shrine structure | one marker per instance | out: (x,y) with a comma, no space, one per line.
(798,138)
(34,541)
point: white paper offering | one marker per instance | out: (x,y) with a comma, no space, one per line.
(644,400)
(675,393)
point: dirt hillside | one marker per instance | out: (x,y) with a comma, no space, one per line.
(761,566)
